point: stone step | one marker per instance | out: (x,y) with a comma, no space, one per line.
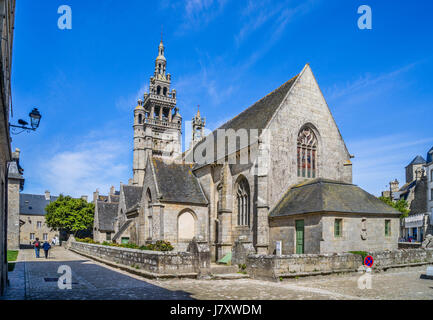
(230,276)
(223,269)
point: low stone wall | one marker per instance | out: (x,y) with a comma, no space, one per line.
(154,262)
(409,245)
(396,258)
(274,267)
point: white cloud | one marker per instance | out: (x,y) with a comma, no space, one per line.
(379,160)
(126,103)
(195,13)
(374,83)
(81,169)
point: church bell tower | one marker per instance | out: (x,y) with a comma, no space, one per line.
(157,122)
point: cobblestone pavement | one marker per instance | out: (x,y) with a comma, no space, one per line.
(93,280)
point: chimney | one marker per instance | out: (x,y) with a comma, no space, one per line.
(130,182)
(16,154)
(394,186)
(419,173)
(47,195)
(112,190)
(95,196)
(84,198)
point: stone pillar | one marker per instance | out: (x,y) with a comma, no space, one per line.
(225,217)
(158,221)
(262,169)
(201,261)
(170,114)
(152,112)
(13,233)
(241,249)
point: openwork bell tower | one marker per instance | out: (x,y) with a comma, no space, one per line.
(198,124)
(157,122)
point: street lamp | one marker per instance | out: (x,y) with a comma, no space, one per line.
(35,119)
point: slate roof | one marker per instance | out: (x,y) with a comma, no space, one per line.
(321,195)
(177,183)
(106,212)
(260,113)
(132,195)
(256,116)
(34,204)
(417,160)
(430,156)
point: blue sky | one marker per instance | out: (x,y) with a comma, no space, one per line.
(223,55)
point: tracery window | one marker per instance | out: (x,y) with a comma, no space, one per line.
(243,202)
(307,153)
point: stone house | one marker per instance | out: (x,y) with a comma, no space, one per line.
(325,216)
(228,183)
(105,215)
(32,218)
(416,192)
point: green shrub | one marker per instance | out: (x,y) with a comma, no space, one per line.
(363,254)
(158,246)
(87,240)
(12,255)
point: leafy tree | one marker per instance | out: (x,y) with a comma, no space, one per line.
(70,214)
(401,205)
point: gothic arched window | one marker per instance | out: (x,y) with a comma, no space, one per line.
(307,153)
(243,202)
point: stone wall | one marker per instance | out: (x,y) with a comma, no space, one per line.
(194,263)
(352,226)
(31,226)
(305,105)
(388,259)
(272,267)
(359,233)
(409,245)
(13,214)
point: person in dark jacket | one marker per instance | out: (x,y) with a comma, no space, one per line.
(46,246)
(37,246)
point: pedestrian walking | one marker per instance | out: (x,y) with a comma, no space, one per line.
(37,246)
(46,246)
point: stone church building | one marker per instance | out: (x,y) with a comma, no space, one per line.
(278,171)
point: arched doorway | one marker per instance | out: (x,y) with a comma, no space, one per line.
(186,226)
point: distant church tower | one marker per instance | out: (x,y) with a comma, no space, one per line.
(157,122)
(198,124)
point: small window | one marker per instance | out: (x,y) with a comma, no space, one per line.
(338,225)
(108,236)
(387,228)
(45,236)
(39,224)
(32,236)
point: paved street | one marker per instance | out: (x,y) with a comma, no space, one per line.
(36,279)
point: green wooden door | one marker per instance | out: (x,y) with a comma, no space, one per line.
(299,236)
